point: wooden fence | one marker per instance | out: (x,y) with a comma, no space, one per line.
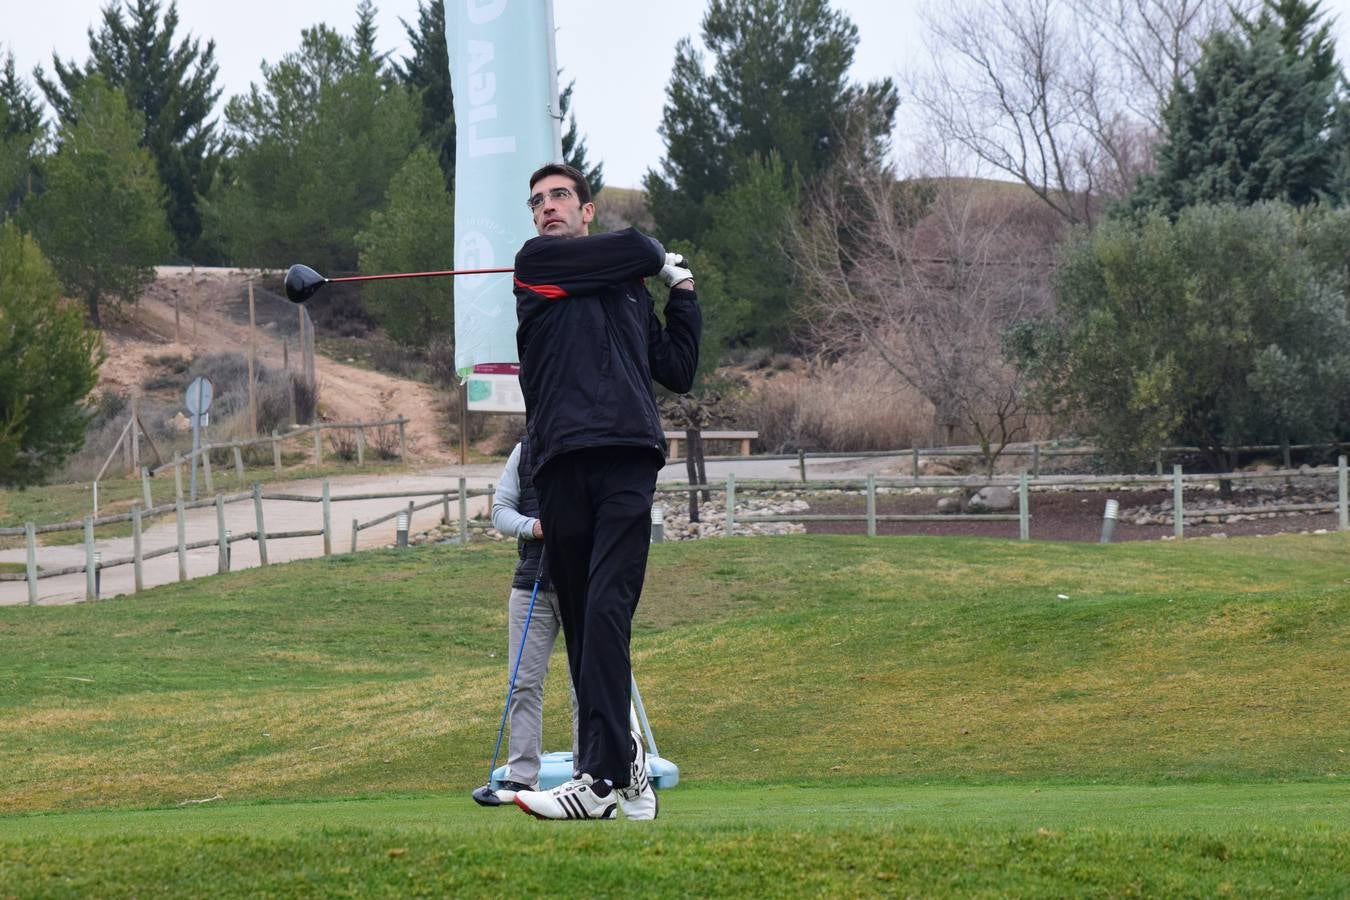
(94,563)
(202,455)
(1023,485)
(1037,452)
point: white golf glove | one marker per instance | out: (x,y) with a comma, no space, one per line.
(675,270)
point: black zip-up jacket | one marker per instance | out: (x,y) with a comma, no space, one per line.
(590,342)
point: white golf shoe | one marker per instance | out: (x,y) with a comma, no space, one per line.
(573,799)
(638,800)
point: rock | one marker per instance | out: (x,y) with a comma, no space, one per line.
(949,506)
(992,498)
(180,422)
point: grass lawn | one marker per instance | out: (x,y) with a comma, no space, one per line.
(850,716)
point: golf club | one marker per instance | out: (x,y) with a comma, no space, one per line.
(302,281)
(485,795)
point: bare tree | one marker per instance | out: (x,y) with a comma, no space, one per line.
(928,276)
(1062,95)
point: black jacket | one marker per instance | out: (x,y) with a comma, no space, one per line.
(590,342)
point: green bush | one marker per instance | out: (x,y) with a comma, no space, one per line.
(48,364)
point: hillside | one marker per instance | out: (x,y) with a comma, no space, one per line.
(212,315)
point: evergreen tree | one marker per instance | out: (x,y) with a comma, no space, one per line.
(48,364)
(778,84)
(1255,123)
(172,86)
(312,151)
(574,145)
(771,116)
(427,74)
(101,218)
(412,232)
(22,133)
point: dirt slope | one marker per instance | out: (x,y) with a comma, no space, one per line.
(212,314)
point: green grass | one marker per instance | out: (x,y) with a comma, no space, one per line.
(850,716)
(55,503)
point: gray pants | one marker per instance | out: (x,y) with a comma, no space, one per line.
(527,700)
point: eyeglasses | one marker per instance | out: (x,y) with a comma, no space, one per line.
(557,193)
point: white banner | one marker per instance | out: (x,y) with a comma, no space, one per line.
(504,72)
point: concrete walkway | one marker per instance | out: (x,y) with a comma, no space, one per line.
(283,516)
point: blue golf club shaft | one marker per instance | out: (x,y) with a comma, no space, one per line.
(520,652)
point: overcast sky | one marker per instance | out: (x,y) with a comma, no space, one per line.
(618,51)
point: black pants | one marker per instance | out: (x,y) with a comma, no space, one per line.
(595,507)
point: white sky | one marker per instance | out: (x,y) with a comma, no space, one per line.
(619,51)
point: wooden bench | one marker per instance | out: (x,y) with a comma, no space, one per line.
(745,437)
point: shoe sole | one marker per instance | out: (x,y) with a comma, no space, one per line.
(608,814)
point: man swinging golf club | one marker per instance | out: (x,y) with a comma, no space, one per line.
(590,344)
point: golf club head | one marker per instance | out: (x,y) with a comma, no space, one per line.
(486,796)
(302,282)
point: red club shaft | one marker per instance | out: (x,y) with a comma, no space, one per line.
(419,274)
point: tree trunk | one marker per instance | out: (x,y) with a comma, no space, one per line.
(91,302)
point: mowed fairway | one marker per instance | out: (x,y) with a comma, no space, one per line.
(850,716)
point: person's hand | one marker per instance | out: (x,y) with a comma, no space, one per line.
(676,271)
(538,530)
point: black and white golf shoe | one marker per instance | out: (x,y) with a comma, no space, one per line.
(638,800)
(507,792)
(573,799)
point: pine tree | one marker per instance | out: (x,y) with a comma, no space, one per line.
(779,84)
(574,145)
(101,218)
(427,75)
(48,364)
(312,152)
(172,86)
(1255,123)
(22,133)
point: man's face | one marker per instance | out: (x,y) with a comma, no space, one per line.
(564,216)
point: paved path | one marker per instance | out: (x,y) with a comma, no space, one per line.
(280,516)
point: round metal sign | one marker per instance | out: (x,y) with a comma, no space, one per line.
(199,395)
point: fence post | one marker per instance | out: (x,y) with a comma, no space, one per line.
(1023,508)
(238,463)
(1341,494)
(356,528)
(145,488)
(871,506)
(360,446)
(914,451)
(403,441)
(276,452)
(206,468)
(30,539)
(258,514)
(1036,460)
(90,572)
(463,513)
(318,447)
(1157,461)
(801,463)
(136,557)
(445,510)
(731,503)
(177,477)
(327,520)
(1178,526)
(182,538)
(222,539)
